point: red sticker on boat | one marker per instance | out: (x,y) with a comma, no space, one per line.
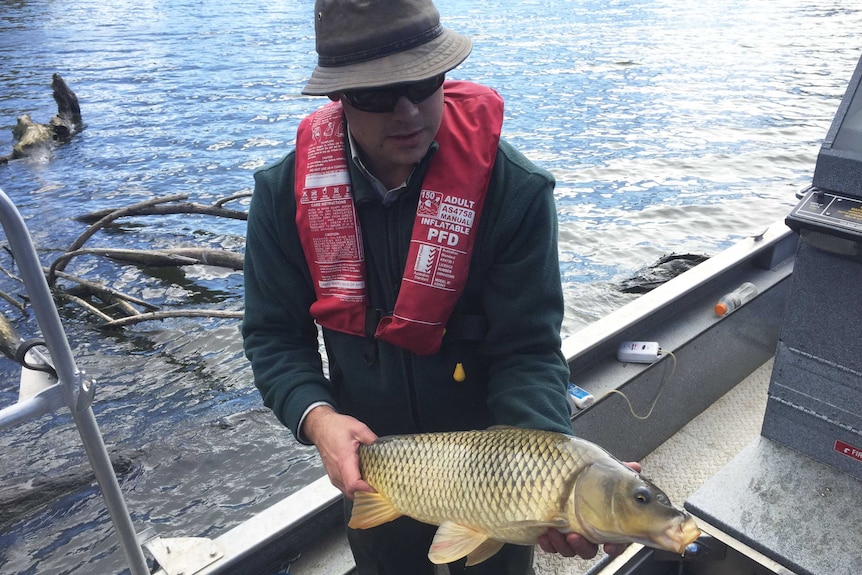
(848,450)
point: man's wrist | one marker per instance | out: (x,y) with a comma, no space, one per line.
(311,419)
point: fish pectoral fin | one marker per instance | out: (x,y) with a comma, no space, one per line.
(515,530)
(371,510)
(453,541)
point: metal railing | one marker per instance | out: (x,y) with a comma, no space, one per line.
(70,388)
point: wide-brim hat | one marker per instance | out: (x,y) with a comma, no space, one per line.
(372,43)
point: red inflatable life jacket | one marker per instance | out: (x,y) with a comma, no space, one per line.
(444,229)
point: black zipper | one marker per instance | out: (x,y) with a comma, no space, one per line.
(397,250)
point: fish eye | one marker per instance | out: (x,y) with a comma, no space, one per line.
(643,495)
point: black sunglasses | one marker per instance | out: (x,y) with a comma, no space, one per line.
(380,100)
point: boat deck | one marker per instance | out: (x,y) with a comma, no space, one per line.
(693,455)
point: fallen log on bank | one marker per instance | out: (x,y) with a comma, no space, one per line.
(35,139)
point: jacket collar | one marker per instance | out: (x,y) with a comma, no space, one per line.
(367,188)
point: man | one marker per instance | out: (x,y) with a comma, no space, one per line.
(424,246)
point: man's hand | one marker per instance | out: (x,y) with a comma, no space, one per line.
(572,544)
(337,438)
(567,544)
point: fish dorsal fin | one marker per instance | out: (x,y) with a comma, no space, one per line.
(371,510)
(453,541)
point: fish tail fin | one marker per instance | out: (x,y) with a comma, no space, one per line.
(371,510)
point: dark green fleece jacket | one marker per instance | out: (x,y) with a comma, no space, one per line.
(515,372)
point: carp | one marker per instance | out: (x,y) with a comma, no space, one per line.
(510,485)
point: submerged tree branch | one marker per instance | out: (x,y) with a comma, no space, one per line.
(12,301)
(105,293)
(81,302)
(232,198)
(161,210)
(113,308)
(115,214)
(171,313)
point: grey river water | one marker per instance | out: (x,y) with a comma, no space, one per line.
(671,126)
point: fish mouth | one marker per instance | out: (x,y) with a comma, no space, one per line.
(679,535)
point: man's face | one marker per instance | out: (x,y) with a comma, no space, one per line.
(391,143)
